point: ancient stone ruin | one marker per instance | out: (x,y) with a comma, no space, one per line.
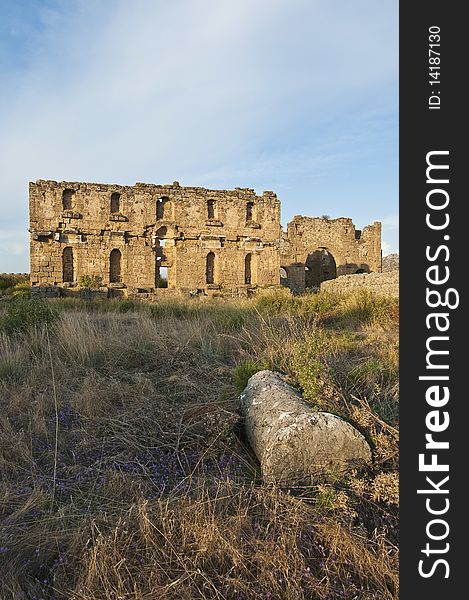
(148,240)
(385,285)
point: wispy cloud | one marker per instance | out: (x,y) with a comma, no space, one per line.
(391,222)
(13,244)
(271,94)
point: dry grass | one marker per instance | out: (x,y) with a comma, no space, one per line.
(147,489)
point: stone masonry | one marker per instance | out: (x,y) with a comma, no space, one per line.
(381,284)
(314,250)
(146,240)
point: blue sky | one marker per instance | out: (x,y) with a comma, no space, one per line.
(295,96)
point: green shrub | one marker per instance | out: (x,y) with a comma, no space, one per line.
(365,308)
(320,304)
(22,289)
(25,313)
(91,281)
(373,372)
(311,375)
(8,282)
(244,370)
(277,302)
(124,306)
(310,367)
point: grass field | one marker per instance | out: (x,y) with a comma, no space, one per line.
(125,473)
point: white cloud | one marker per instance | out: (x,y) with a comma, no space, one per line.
(390,229)
(391,222)
(189,90)
(14,249)
(385,247)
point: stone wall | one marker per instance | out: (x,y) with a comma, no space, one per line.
(383,284)
(317,249)
(134,238)
(146,240)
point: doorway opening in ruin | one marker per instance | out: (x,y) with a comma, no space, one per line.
(320,266)
(161,274)
(68,275)
(249,211)
(247,269)
(210,209)
(115,202)
(161,207)
(67,199)
(163,277)
(115,266)
(210,269)
(283,276)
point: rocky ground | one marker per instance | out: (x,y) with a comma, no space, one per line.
(390,263)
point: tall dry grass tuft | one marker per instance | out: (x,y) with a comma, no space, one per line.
(126,473)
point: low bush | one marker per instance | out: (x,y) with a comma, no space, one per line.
(244,371)
(22,289)
(25,313)
(91,281)
(8,282)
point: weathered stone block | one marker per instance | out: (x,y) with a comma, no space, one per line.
(294,444)
(382,284)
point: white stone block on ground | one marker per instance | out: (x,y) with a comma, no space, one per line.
(294,443)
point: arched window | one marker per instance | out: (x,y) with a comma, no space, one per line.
(68,275)
(115,202)
(249,211)
(210,268)
(160,236)
(283,276)
(210,209)
(115,266)
(247,268)
(160,207)
(67,199)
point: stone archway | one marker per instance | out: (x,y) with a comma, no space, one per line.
(115,275)
(115,202)
(283,276)
(248,269)
(68,275)
(210,269)
(320,266)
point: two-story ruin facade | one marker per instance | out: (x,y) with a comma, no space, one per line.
(149,239)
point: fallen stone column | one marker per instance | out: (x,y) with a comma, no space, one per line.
(294,444)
